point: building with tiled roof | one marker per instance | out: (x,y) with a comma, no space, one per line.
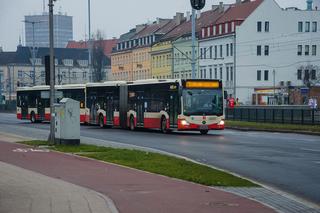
(107,45)
(131,58)
(263,53)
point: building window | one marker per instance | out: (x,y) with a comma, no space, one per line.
(203,32)
(299,49)
(201,53)
(266,50)
(226,28)
(314,49)
(258,75)
(227,47)
(204,73)
(231,73)
(214,30)
(215,51)
(300,26)
(314,26)
(210,52)
(227,71)
(306,51)
(266,26)
(210,73)
(259,26)
(220,29)
(208,31)
(313,75)
(266,75)
(84,75)
(221,49)
(215,73)
(20,74)
(201,73)
(258,50)
(231,49)
(307,29)
(306,75)
(232,26)
(299,74)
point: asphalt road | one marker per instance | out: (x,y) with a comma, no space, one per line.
(289,162)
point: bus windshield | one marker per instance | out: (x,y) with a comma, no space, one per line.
(202,102)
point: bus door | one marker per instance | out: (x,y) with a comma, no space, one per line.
(173,109)
(24,106)
(140,109)
(41,108)
(93,109)
(109,108)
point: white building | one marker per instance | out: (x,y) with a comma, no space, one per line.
(270,50)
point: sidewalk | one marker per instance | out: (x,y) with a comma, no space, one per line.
(25,191)
(132,191)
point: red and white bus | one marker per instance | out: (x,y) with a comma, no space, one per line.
(183,105)
(33,103)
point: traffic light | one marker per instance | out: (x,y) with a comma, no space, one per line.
(198,4)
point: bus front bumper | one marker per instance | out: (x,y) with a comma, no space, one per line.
(185,126)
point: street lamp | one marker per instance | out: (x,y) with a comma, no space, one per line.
(33,49)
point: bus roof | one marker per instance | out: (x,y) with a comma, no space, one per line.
(106,84)
(35,88)
(46,87)
(71,86)
(153,81)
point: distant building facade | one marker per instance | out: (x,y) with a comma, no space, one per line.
(71,67)
(63,30)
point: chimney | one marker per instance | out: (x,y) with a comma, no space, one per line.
(188,15)
(178,18)
(221,7)
(238,1)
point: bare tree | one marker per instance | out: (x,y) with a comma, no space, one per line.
(98,57)
(310,75)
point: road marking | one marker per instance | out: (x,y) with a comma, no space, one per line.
(30,150)
(310,150)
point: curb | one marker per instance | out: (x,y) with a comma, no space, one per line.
(247,129)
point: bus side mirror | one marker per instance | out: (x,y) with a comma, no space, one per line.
(225,95)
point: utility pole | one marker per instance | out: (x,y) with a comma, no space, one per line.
(274,83)
(89,41)
(52,74)
(193,60)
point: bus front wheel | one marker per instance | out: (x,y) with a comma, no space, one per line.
(204,132)
(164,125)
(33,117)
(131,124)
(101,121)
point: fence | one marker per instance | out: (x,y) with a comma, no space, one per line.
(294,115)
(8,106)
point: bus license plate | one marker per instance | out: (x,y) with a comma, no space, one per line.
(203,127)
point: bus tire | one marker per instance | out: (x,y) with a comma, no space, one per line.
(204,132)
(164,128)
(101,121)
(33,117)
(131,123)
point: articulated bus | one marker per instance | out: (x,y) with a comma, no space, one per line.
(183,105)
(33,103)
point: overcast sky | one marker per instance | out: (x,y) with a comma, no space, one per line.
(112,17)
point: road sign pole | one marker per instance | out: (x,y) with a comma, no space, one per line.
(193,62)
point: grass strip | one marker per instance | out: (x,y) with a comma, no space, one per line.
(154,163)
(273,126)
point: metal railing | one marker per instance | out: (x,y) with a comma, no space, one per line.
(284,115)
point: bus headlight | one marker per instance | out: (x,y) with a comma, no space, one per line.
(221,123)
(184,123)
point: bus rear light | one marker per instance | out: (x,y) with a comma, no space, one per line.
(184,123)
(221,123)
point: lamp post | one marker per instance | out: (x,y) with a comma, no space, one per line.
(33,49)
(52,74)
(89,40)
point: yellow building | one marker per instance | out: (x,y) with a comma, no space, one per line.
(121,65)
(161,60)
(141,68)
